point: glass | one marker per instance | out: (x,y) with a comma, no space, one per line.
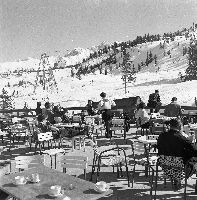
(35,178)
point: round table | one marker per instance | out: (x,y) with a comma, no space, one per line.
(144,140)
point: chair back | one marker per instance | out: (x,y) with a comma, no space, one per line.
(138,148)
(157,128)
(155,115)
(192,115)
(76,118)
(152,137)
(24,162)
(89,120)
(45,136)
(77,162)
(19,130)
(117,124)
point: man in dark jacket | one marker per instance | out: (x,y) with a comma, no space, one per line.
(154,102)
(173,109)
(173,143)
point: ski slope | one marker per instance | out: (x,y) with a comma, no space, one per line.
(75,92)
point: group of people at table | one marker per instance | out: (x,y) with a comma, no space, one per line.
(173,143)
(170,143)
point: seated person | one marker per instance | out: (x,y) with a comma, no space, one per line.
(173,143)
(49,113)
(38,109)
(58,115)
(173,109)
(91,111)
(142,116)
(154,102)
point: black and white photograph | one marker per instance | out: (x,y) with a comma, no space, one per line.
(98,99)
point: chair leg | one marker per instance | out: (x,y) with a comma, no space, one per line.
(40,148)
(73,141)
(133,175)
(185,187)
(151,183)
(93,166)
(85,174)
(156,182)
(127,171)
(84,144)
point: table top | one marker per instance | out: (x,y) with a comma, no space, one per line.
(32,191)
(53,151)
(144,140)
(62,125)
(193,126)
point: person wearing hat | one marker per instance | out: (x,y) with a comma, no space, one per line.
(104,107)
(173,143)
(173,109)
(154,102)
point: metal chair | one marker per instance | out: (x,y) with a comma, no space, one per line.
(79,162)
(24,162)
(118,124)
(143,130)
(192,116)
(81,139)
(157,128)
(140,156)
(18,131)
(76,119)
(109,156)
(42,138)
(90,121)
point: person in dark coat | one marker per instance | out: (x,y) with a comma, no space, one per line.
(91,111)
(48,113)
(154,102)
(173,143)
(173,109)
(38,109)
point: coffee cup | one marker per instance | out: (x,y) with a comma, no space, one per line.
(35,178)
(101,185)
(20,180)
(56,190)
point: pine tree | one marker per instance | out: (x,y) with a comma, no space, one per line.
(6,101)
(128,74)
(191,71)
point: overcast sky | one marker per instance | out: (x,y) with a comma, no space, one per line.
(31,27)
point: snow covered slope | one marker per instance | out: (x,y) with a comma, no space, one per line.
(75,92)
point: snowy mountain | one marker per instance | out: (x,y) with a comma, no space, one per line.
(75,92)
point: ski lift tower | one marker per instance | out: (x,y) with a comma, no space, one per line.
(45,77)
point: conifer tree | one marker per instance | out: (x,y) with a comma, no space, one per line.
(128,74)
(191,71)
(6,101)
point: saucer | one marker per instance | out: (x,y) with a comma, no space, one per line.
(23,183)
(57,195)
(38,181)
(102,191)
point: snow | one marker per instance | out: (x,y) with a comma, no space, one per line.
(75,92)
